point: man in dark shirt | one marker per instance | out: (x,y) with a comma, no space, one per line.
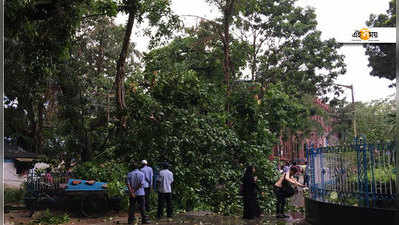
(135,184)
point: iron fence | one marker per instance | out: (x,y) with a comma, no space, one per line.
(41,182)
(357,174)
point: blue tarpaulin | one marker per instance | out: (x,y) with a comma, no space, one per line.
(84,187)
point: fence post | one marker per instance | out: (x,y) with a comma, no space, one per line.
(356,146)
(322,189)
(360,147)
(312,172)
(372,166)
(365,174)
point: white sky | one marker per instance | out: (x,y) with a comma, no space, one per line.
(332,17)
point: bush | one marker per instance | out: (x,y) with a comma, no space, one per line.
(47,218)
(103,172)
(112,172)
(13,195)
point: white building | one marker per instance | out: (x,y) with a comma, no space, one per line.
(17,163)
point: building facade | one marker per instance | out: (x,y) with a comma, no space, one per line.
(293,147)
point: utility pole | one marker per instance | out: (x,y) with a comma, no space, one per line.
(353,107)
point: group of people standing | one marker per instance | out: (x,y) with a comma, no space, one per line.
(140,183)
(283,188)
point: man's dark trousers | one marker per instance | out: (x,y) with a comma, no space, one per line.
(140,200)
(147,198)
(162,198)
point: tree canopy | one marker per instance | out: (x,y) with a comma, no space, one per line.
(382,56)
(78,90)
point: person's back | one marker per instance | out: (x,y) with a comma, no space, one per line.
(136,179)
(135,183)
(148,176)
(165,179)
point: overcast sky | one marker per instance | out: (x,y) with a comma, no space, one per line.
(332,17)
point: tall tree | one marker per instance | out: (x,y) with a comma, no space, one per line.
(198,50)
(286,47)
(373,119)
(382,56)
(87,87)
(38,41)
(37,37)
(229,9)
(158,14)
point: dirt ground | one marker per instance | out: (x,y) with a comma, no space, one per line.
(20,217)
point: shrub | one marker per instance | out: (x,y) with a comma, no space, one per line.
(112,172)
(13,195)
(47,218)
(102,172)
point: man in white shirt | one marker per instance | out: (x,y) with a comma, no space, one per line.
(148,174)
(165,180)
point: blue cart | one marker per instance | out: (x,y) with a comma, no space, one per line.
(89,199)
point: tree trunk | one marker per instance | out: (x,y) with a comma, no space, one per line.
(253,66)
(85,153)
(39,131)
(33,128)
(226,43)
(227,67)
(120,71)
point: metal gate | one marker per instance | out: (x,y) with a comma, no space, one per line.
(357,174)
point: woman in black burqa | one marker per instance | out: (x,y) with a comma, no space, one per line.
(249,192)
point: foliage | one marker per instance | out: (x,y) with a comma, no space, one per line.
(61,99)
(381,175)
(382,56)
(373,120)
(159,15)
(88,78)
(37,40)
(47,218)
(180,119)
(384,174)
(196,52)
(286,47)
(13,195)
(103,172)
(111,171)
